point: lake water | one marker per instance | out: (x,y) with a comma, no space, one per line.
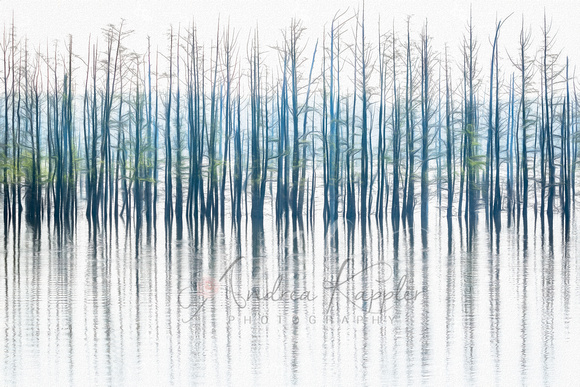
(291,304)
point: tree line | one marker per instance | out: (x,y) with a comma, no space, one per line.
(221,129)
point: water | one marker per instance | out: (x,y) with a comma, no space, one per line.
(291,304)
